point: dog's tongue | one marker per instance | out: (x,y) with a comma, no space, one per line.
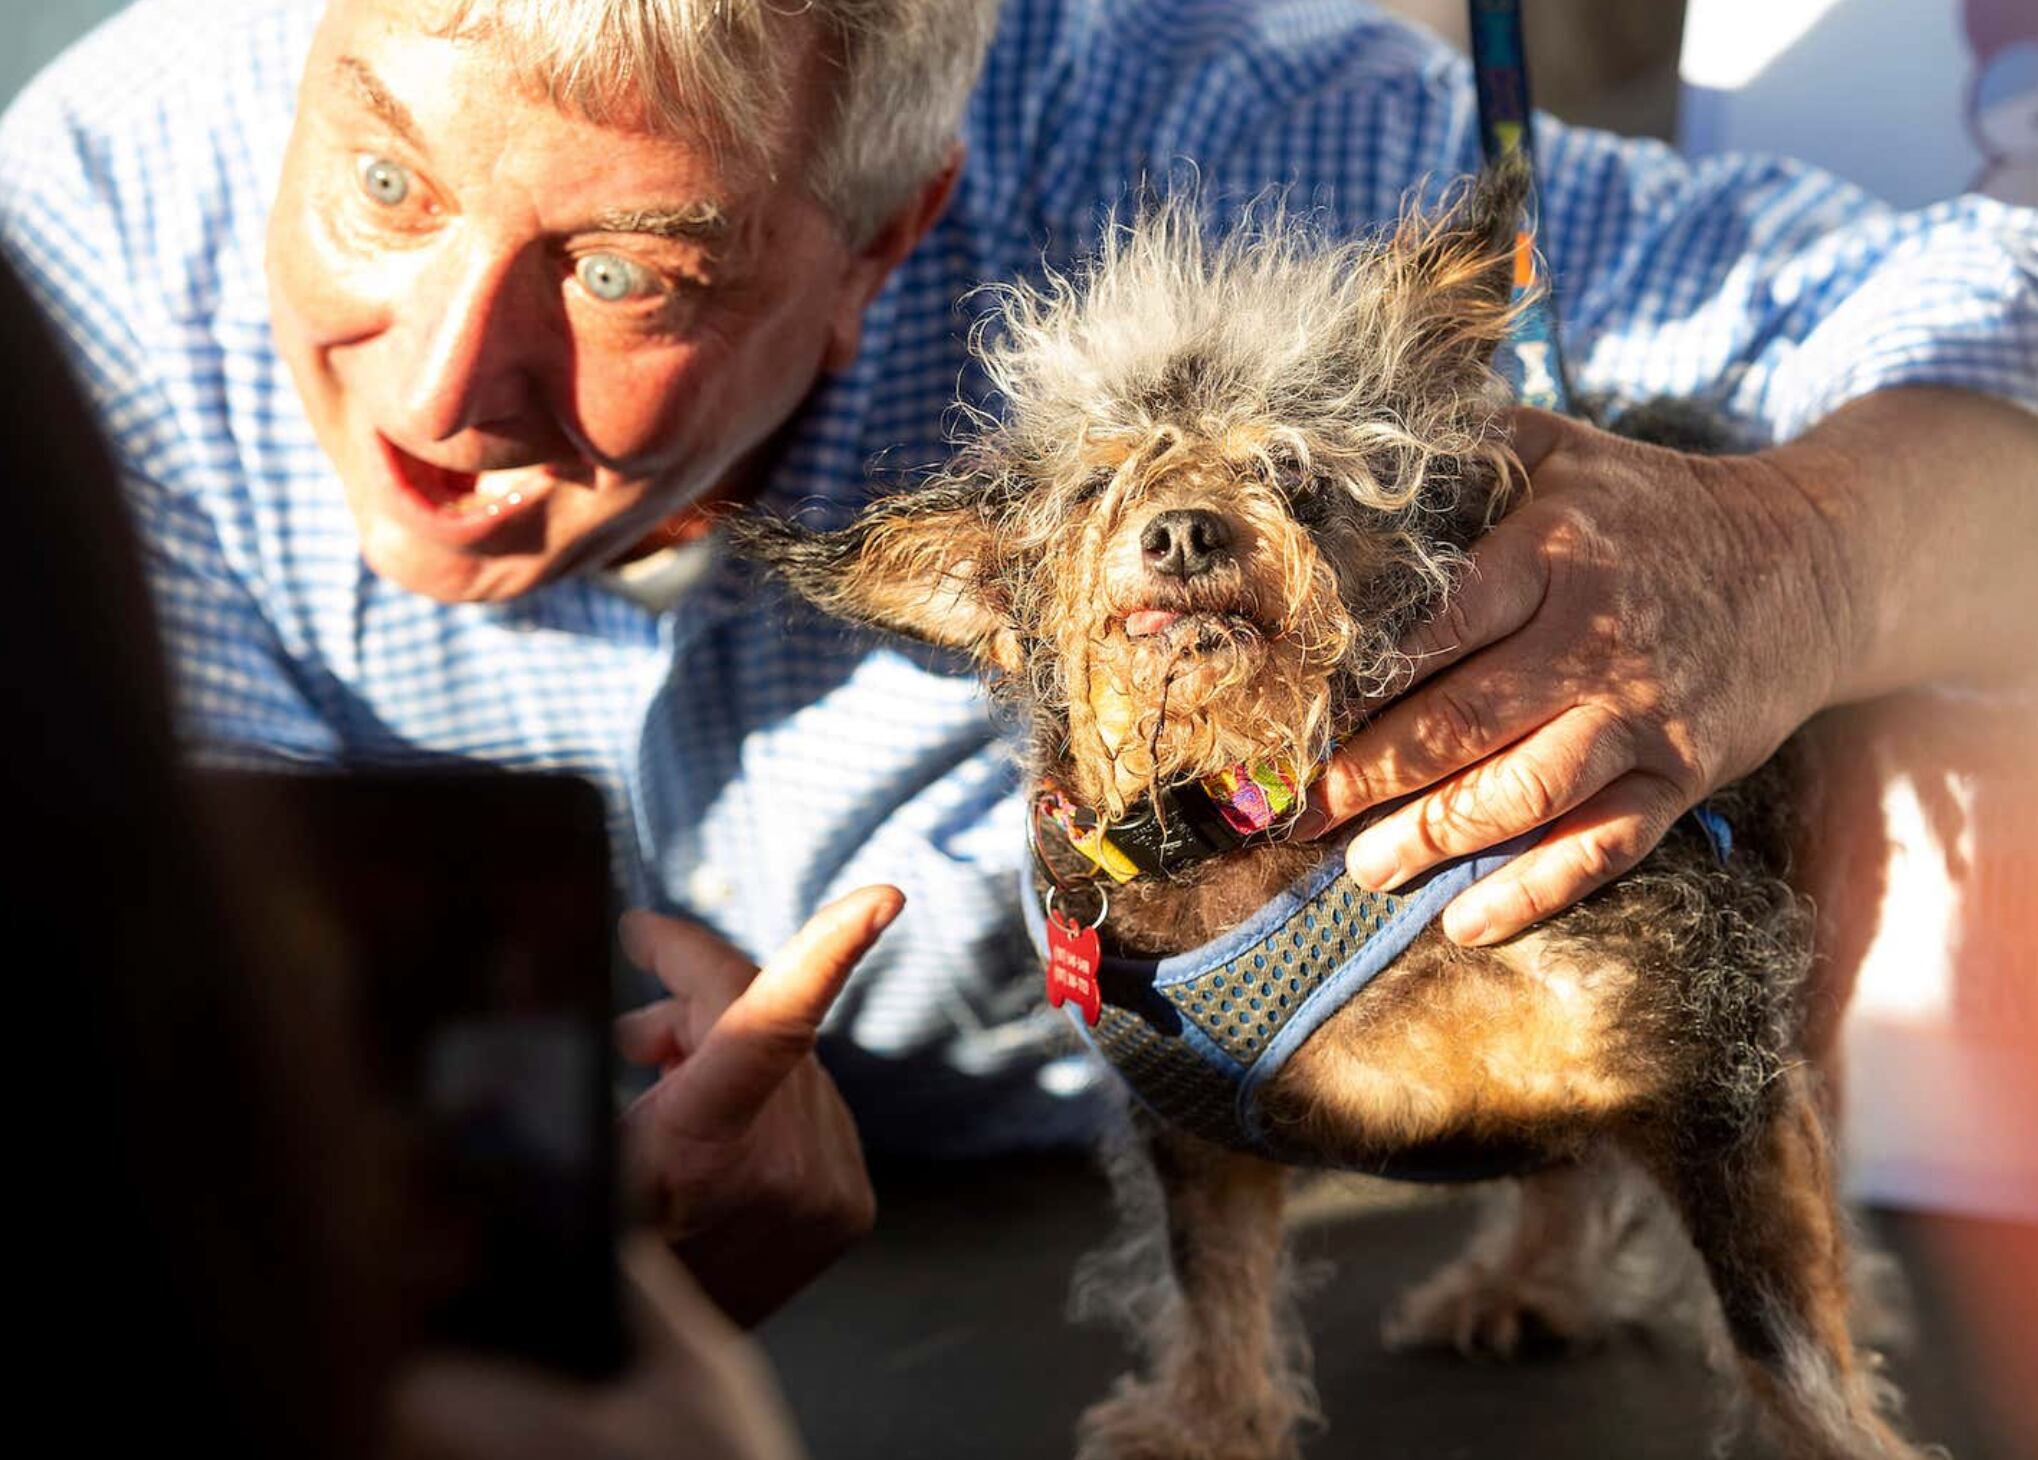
(1148,621)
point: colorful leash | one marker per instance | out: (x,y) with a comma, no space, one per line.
(1533,361)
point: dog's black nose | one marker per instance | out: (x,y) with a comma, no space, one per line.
(1185,543)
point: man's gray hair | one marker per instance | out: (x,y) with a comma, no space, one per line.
(723,69)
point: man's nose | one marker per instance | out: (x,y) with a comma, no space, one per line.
(1185,542)
(480,328)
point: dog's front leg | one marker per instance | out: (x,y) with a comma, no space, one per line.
(1225,1373)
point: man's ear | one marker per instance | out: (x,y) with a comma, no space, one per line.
(874,260)
(1457,268)
(922,564)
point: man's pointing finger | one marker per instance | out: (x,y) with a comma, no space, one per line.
(771,1027)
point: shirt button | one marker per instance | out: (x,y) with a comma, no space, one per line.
(708,887)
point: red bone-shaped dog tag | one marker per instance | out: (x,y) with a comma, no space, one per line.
(1073,958)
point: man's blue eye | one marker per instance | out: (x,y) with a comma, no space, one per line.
(611,278)
(388,183)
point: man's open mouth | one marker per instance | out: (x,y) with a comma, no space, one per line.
(463,494)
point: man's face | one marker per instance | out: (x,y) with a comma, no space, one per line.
(526,340)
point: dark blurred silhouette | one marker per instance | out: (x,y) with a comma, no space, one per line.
(196,1234)
(208,1181)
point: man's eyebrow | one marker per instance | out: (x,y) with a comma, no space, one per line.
(701,222)
(368,88)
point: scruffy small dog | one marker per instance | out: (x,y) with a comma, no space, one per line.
(1230,479)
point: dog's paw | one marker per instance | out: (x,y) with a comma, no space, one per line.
(1494,1315)
(1141,1421)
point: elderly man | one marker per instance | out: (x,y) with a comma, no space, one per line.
(423,366)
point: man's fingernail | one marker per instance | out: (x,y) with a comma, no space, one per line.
(886,912)
(1466,926)
(1373,865)
(1312,823)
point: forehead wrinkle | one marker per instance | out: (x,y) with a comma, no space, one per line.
(368,88)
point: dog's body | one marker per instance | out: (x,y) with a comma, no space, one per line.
(1229,483)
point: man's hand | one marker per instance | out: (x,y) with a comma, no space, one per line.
(749,1155)
(695,1389)
(1648,626)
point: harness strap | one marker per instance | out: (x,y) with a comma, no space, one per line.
(1197,1035)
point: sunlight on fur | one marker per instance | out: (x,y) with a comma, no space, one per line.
(1227,479)
(1333,399)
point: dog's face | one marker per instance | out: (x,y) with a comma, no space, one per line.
(1189,602)
(1227,482)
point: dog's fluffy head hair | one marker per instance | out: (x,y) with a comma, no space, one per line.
(1228,478)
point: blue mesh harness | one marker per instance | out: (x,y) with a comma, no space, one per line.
(1197,1035)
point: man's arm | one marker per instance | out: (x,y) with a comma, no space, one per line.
(1652,625)
(1929,498)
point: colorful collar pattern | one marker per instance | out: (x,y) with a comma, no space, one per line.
(1178,826)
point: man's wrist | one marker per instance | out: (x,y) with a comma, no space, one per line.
(1807,591)
(1814,550)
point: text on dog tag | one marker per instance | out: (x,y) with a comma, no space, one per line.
(1073,958)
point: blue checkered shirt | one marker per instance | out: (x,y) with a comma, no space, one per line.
(757,759)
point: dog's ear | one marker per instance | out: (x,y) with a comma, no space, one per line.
(922,564)
(1457,266)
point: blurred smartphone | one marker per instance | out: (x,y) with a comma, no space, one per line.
(471,912)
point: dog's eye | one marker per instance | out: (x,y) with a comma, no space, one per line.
(1310,499)
(1092,487)
(1308,495)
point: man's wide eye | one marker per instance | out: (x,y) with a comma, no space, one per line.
(388,183)
(614,279)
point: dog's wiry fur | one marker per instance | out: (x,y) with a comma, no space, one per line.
(1229,479)
(1284,368)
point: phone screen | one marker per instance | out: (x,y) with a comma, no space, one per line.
(471,912)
